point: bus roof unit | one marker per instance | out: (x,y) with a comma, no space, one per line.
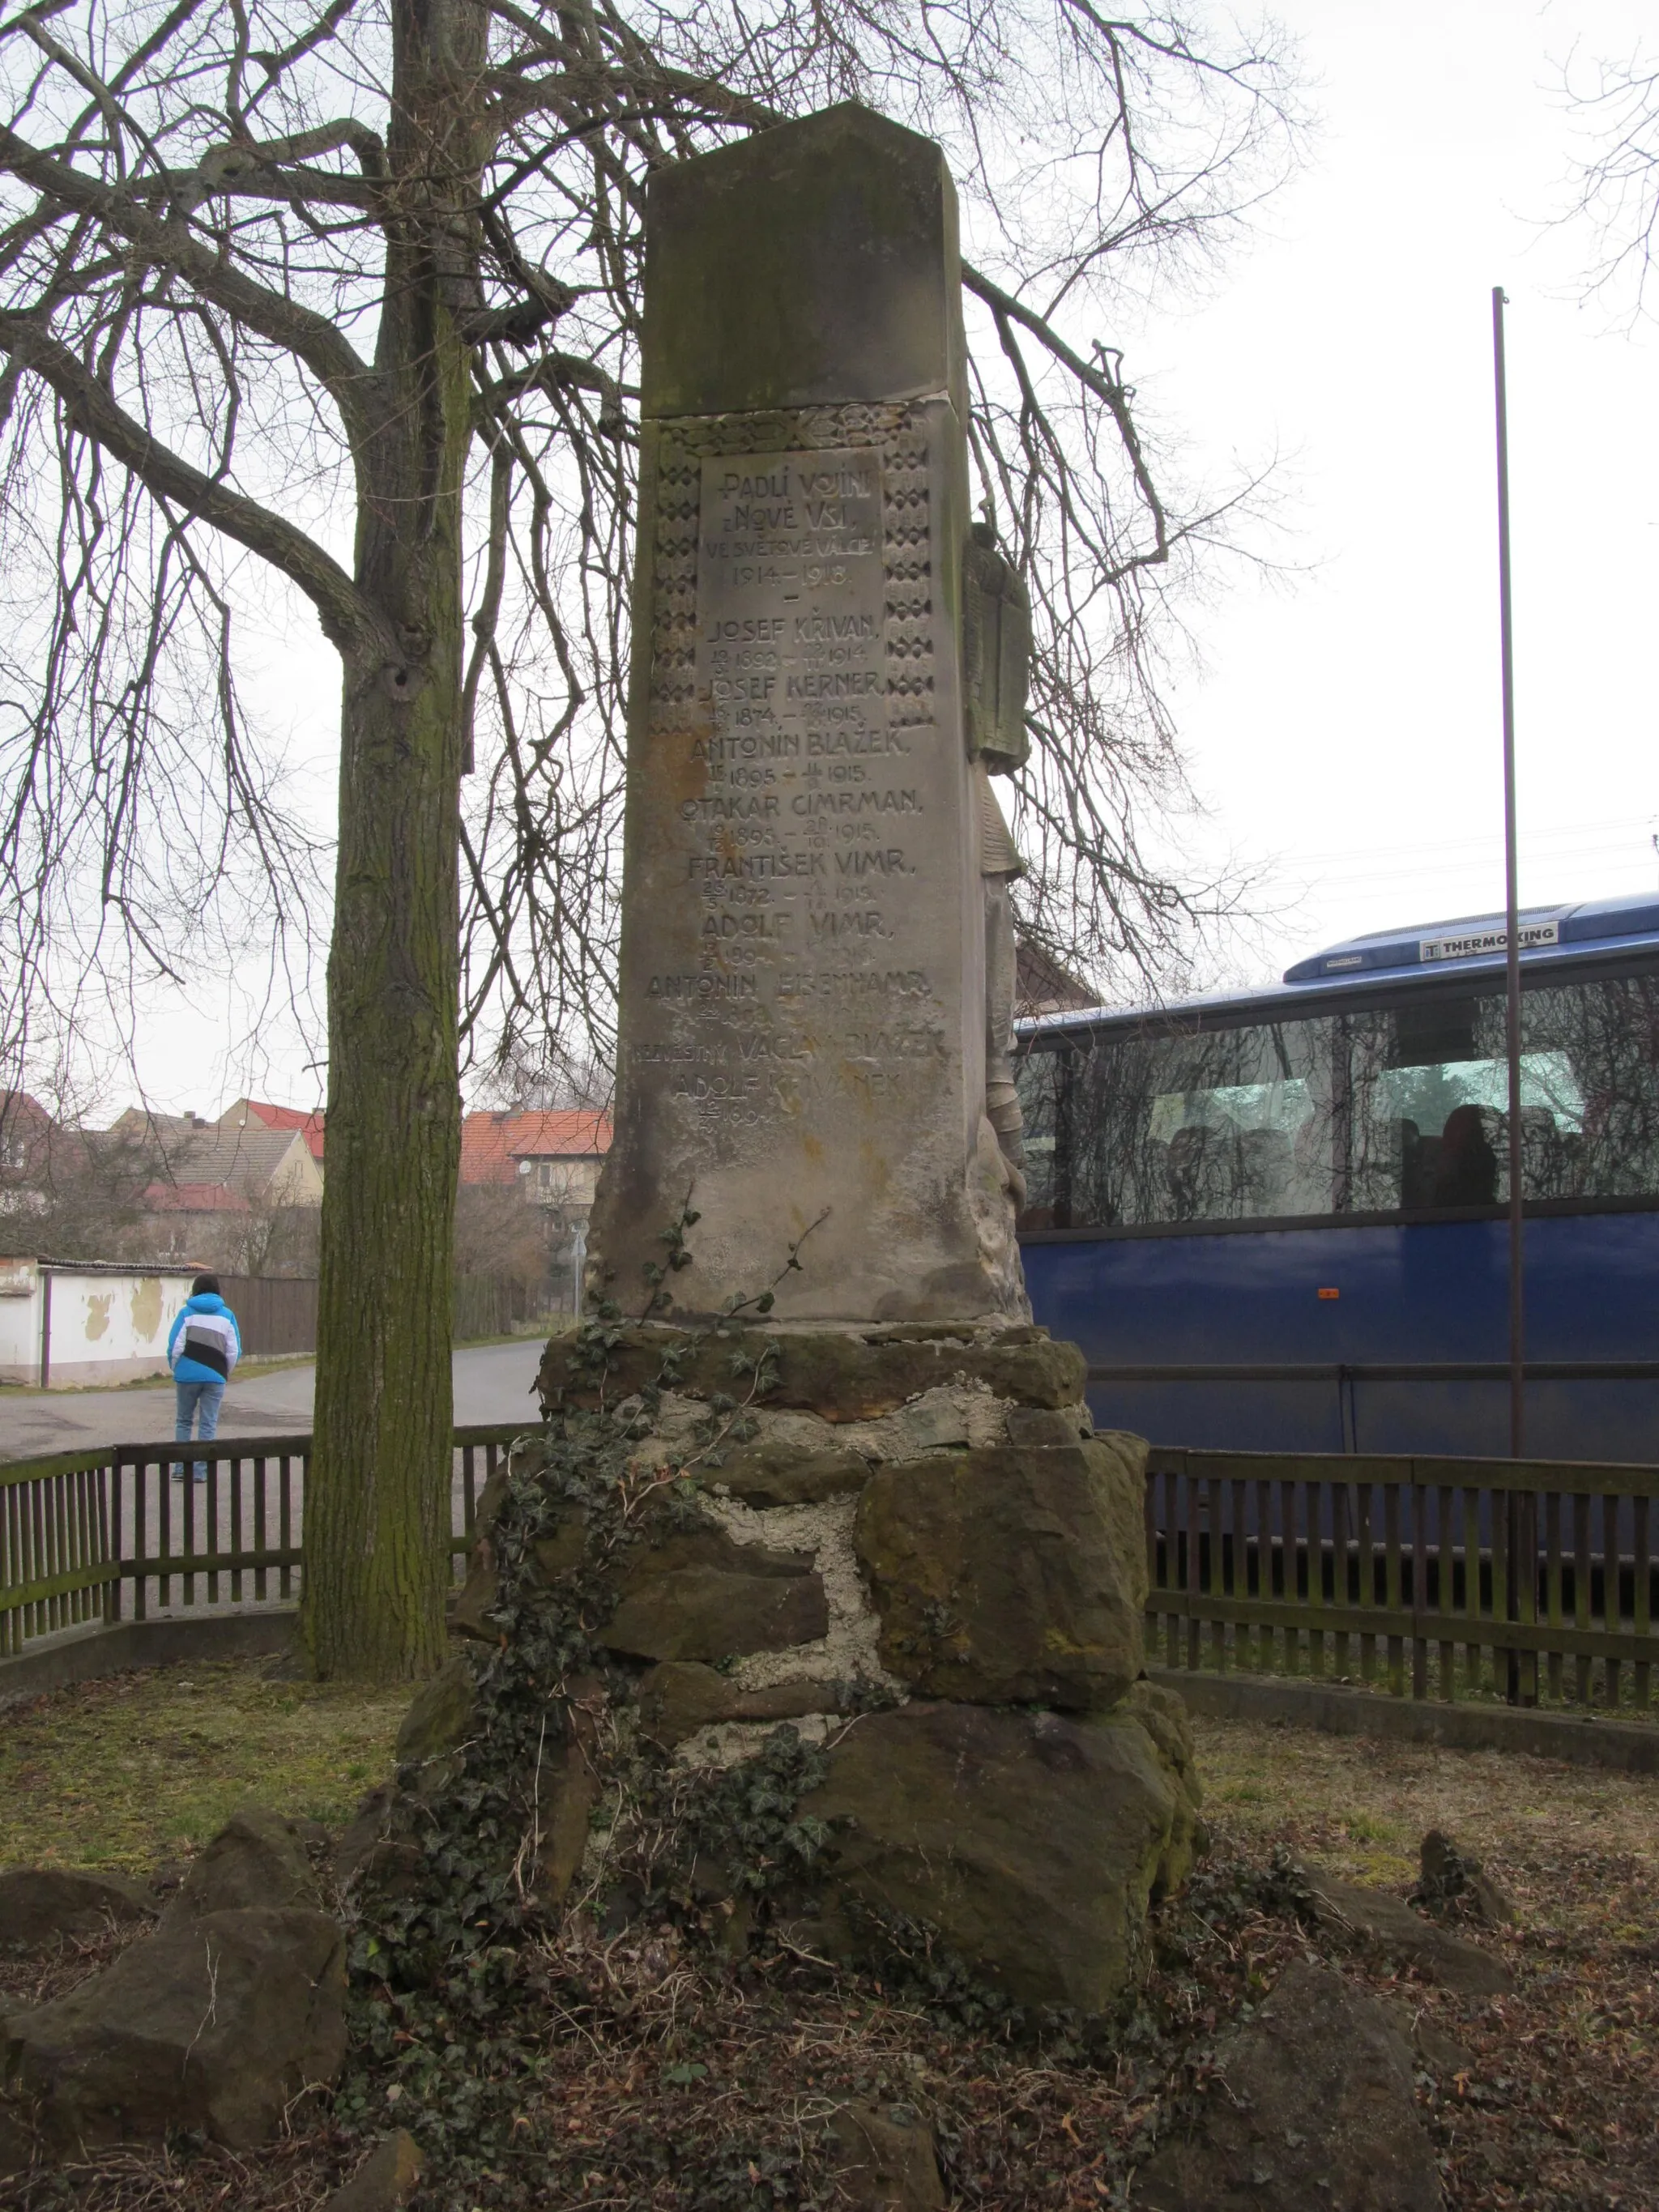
(1482,936)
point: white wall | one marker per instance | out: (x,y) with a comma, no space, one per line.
(106,1325)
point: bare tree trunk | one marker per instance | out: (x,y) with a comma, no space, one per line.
(377,1513)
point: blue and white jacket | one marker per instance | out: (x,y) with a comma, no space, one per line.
(204,1344)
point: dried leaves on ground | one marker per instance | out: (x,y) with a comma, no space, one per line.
(641,2071)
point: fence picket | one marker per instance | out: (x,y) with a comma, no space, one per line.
(1612,1595)
(1581,1587)
(1340,1571)
(1553,1579)
(1419,1586)
(1393,1594)
(1641,1595)
(1193,1585)
(1264,1571)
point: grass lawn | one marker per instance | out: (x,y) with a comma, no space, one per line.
(658,2058)
(1360,1809)
(145,1767)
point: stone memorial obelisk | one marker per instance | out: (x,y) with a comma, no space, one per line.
(888,1495)
(803,948)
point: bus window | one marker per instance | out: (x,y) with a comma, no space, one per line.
(1378,1110)
(1592,1132)
(1171,1127)
(1430,1115)
(1435,1133)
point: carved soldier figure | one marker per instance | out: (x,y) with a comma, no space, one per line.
(996,676)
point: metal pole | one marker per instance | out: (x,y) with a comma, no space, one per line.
(1512,903)
(1522,1685)
(578,1264)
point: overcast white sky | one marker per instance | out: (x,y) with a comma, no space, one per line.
(1344,732)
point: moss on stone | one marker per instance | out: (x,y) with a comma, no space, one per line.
(836,1373)
(1011,1576)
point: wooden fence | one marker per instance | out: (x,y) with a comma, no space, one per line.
(1531,1581)
(496,1305)
(106,1535)
(276,1314)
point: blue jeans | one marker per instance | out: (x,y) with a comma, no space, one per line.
(198,1403)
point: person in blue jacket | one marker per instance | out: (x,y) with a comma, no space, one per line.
(203,1350)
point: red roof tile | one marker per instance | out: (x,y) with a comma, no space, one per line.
(194,1198)
(292,1117)
(492,1144)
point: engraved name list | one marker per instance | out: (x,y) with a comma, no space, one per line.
(805,828)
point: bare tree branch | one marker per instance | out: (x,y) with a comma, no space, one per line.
(1616,185)
(196,203)
(284,320)
(348,619)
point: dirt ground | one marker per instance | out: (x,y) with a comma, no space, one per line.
(658,2079)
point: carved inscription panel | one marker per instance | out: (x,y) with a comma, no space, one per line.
(817,828)
(802,985)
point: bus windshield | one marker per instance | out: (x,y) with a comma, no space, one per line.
(1379,1110)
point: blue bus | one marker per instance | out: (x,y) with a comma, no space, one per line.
(1276,1221)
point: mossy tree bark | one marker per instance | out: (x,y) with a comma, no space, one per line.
(377,1508)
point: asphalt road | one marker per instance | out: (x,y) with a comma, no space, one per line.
(493,1382)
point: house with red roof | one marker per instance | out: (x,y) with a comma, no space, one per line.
(220,1188)
(554,1157)
(27,1132)
(258,1113)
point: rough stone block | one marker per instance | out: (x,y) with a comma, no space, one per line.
(386,2178)
(257,1859)
(560,1553)
(1440,2053)
(568,1785)
(845,1375)
(940,1420)
(1454,1880)
(1164,1716)
(679,1698)
(38,1905)
(885,2159)
(767,1474)
(491,1499)
(1031,1840)
(1384,1924)
(1311,2108)
(1030,1425)
(369,1827)
(813,263)
(698,1594)
(440,1717)
(469,1615)
(1010,1576)
(214,2025)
